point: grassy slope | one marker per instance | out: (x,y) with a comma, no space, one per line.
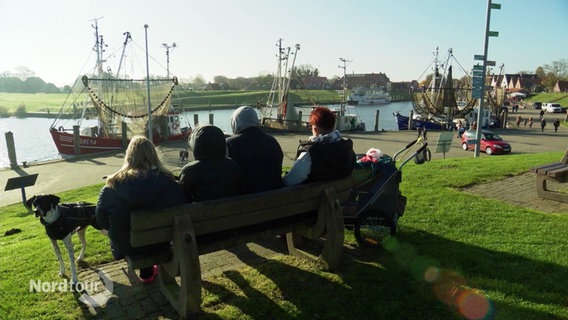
(509,259)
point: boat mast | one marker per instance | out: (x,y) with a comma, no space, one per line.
(344,67)
(128,37)
(150,136)
(99,46)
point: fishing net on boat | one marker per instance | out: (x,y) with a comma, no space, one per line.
(126,100)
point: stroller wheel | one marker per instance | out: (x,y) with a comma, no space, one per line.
(374,229)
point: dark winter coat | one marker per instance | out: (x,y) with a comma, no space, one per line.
(258,154)
(152,191)
(330,161)
(212,175)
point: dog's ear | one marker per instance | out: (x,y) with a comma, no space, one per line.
(53,199)
(30,202)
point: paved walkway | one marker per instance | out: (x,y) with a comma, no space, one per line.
(130,299)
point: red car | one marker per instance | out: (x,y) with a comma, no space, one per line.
(491,142)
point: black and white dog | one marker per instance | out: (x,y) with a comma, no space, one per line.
(61,221)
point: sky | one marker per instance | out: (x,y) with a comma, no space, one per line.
(237,38)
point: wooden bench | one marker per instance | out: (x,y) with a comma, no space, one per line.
(312,210)
(556,171)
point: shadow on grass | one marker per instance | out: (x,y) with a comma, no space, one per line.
(519,280)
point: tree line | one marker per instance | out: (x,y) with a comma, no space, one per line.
(29,85)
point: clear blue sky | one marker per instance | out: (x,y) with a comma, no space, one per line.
(238,37)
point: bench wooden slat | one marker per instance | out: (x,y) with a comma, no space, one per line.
(222,208)
(559,175)
(546,167)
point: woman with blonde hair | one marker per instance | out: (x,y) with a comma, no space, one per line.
(141,183)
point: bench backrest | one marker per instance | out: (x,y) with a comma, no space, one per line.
(209,217)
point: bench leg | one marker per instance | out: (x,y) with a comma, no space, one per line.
(545,193)
(329,223)
(185,297)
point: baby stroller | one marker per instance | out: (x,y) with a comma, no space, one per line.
(376,203)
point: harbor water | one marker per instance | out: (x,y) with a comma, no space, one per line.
(34,144)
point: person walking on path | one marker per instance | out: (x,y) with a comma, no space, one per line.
(530,122)
(556,124)
(519,119)
(542,124)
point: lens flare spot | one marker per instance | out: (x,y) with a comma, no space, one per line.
(473,305)
(431,274)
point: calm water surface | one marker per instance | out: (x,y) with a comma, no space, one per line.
(34,144)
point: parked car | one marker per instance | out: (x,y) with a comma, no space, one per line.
(491,142)
(553,108)
(537,105)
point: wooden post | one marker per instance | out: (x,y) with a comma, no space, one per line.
(377,120)
(195,119)
(76,140)
(410,119)
(11,149)
(299,119)
(211,118)
(124,131)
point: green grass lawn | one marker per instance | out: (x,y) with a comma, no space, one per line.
(456,256)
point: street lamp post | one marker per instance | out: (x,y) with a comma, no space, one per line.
(168,47)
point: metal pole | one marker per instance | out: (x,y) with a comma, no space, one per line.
(150,136)
(480,113)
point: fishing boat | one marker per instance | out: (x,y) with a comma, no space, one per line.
(368,96)
(122,106)
(442,100)
(280,115)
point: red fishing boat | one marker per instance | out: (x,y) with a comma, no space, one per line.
(109,108)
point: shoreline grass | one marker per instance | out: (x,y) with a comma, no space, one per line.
(456,256)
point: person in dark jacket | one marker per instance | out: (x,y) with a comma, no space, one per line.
(212,175)
(258,154)
(142,183)
(325,156)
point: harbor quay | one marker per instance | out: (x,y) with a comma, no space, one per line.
(63,175)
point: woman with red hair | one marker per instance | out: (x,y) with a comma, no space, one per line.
(325,156)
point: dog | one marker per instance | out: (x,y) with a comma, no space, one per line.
(61,221)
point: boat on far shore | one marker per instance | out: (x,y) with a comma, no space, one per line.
(368,96)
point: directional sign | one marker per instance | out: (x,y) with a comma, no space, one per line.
(478,67)
(444,142)
(493,34)
(478,57)
(477,93)
(477,73)
(490,63)
(478,82)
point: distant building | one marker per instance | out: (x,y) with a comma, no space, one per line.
(561,86)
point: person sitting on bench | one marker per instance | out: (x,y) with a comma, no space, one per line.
(325,156)
(212,175)
(142,183)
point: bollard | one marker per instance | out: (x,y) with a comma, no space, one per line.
(211,118)
(195,120)
(11,149)
(377,120)
(76,140)
(124,136)
(410,120)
